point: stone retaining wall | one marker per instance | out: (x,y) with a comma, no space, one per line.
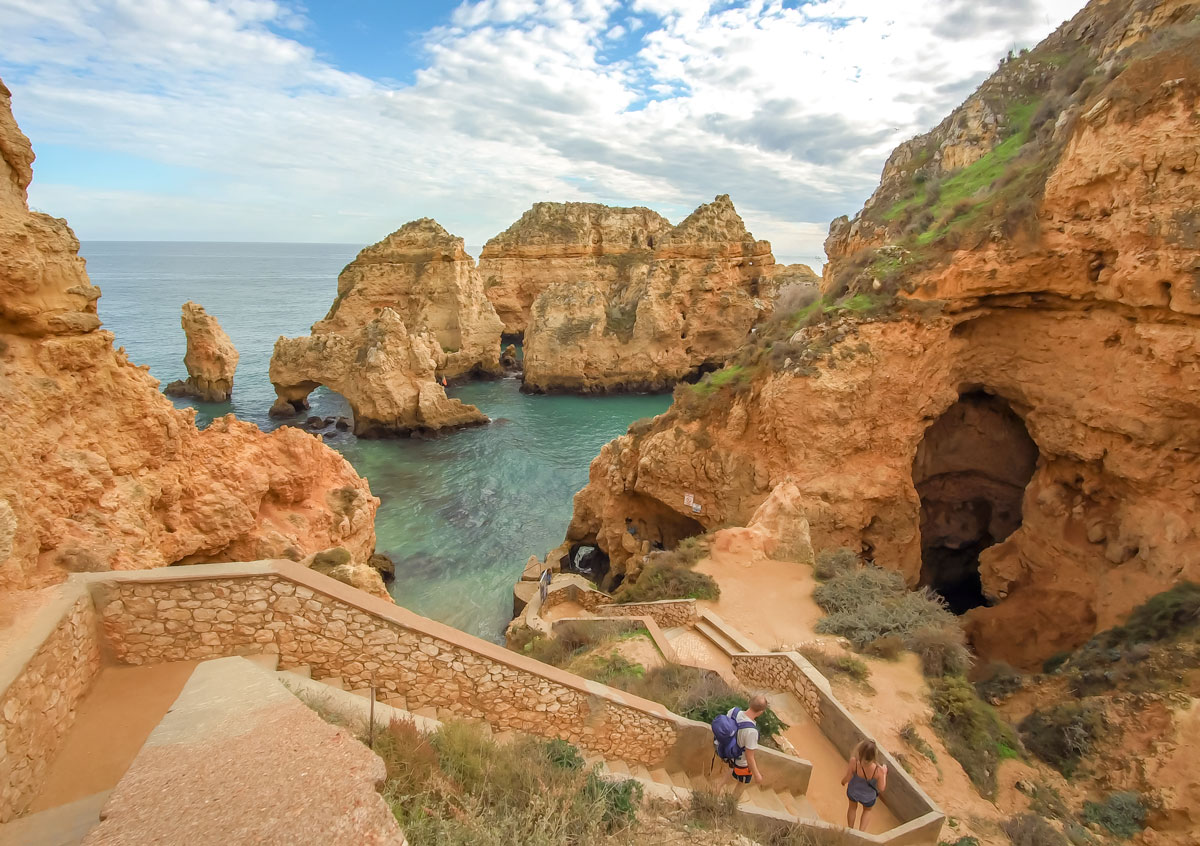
(668,613)
(341,632)
(48,672)
(792,672)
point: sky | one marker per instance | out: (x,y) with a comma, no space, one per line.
(272,120)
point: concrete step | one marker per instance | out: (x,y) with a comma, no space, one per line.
(764,797)
(364,692)
(640,772)
(65,825)
(302,670)
(269,661)
(804,808)
(503,738)
(617,767)
(680,779)
(428,712)
(662,777)
(723,643)
(397,702)
(333,681)
(674,632)
(445,715)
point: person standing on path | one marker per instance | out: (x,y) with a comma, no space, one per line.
(544,584)
(865,780)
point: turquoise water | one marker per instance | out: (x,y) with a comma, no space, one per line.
(459,514)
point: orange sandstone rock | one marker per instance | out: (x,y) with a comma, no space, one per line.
(1027,415)
(655,314)
(97,469)
(211,358)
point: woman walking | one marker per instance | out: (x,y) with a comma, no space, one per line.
(865,780)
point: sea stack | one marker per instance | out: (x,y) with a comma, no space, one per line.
(410,313)
(211,358)
(99,472)
(385,372)
(669,304)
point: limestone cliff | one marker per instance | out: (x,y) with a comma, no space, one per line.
(385,372)
(559,242)
(423,274)
(410,312)
(98,470)
(678,305)
(997,395)
(211,358)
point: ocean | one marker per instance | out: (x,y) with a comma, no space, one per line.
(460,514)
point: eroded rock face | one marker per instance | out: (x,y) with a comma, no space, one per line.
(423,274)
(1080,334)
(655,315)
(560,242)
(97,469)
(386,373)
(211,358)
(410,313)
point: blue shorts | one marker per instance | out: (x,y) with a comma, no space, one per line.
(870,804)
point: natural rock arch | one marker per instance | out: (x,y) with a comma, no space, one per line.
(970,472)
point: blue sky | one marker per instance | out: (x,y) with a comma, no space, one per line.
(276,120)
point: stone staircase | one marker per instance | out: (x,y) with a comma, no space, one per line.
(673,786)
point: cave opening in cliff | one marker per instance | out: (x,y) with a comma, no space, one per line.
(587,560)
(970,471)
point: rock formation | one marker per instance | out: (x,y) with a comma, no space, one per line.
(211,358)
(998,397)
(423,274)
(563,242)
(410,312)
(97,469)
(386,373)
(668,304)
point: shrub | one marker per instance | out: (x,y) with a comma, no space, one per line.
(888,647)
(713,809)
(942,650)
(619,799)
(611,669)
(667,581)
(1166,615)
(871,603)
(999,682)
(707,710)
(834,562)
(850,590)
(1031,830)
(1063,734)
(971,730)
(836,665)
(458,787)
(1045,799)
(912,737)
(1123,813)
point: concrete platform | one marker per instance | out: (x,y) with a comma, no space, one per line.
(239,759)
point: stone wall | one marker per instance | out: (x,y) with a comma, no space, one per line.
(791,672)
(48,672)
(338,631)
(668,613)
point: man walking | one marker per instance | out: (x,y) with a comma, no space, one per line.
(735,736)
(544,584)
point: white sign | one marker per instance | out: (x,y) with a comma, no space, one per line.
(696,508)
(688,499)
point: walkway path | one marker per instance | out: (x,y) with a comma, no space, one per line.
(123,707)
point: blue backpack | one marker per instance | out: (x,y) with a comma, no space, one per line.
(725,729)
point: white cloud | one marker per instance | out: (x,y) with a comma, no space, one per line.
(792,111)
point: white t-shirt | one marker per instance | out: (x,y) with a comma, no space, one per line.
(747,735)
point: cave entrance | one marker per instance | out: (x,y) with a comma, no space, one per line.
(587,560)
(970,472)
